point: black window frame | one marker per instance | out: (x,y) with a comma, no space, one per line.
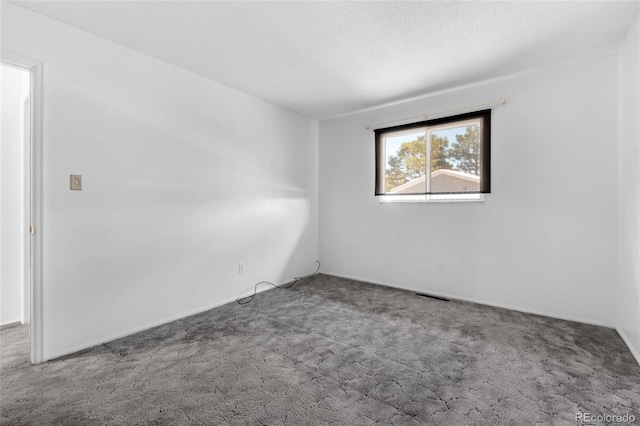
(485,151)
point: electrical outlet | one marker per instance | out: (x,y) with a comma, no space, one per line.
(442,267)
(240,268)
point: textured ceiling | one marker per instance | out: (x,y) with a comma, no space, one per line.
(325,59)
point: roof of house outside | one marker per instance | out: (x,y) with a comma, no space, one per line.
(418,185)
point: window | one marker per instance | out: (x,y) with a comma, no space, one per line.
(446,159)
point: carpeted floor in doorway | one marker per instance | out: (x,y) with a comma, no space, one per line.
(331,351)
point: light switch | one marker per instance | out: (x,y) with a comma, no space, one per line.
(76,183)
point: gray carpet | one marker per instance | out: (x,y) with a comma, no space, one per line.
(331,351)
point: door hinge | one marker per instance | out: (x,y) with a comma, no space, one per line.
(32,230)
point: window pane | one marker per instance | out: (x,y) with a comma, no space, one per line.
(449,155)
(455,159)
(405,157)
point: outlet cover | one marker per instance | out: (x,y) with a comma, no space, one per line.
(76,183)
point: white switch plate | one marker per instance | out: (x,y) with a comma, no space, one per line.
(76,183)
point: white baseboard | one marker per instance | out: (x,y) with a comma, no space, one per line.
(478,301)
(627,342)
(10,323)
(102,340)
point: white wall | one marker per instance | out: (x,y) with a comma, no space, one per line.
(628,299)
(15,91)
(183,179)
(542,242)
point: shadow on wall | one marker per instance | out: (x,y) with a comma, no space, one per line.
(164,218)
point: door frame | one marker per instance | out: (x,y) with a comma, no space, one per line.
(33,202)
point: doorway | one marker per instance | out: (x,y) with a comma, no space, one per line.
(21,196)
(14,144)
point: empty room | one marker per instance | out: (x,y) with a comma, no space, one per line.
(320,212)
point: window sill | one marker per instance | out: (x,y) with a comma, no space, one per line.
(450,198)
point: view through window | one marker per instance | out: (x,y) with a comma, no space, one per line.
(445,156)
